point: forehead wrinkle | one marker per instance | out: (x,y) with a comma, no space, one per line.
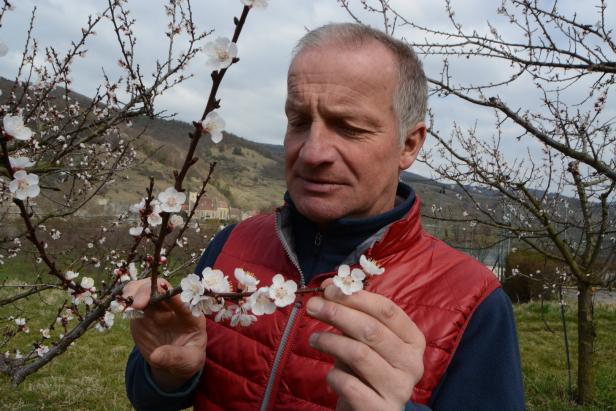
(332,99)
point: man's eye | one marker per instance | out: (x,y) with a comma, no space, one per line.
(349,131)
(298,124)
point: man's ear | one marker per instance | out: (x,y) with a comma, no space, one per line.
(412,144)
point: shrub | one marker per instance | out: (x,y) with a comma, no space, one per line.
(530,275)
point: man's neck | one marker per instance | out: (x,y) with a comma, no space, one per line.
(322,247)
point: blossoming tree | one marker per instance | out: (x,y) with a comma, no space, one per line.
(58,149)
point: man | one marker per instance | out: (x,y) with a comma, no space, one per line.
(434,331)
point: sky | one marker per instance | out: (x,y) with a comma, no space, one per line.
(253,91)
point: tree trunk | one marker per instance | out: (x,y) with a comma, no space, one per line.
(586,341)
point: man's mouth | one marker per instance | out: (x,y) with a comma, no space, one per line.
(319,185)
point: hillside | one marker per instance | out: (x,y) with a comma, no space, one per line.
(248,175)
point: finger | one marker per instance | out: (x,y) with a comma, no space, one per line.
(381,308)
(365,329)
(181,361)
(141,297)
(131,287)
(342,405)
(352,393)
(364,362)
(175,303)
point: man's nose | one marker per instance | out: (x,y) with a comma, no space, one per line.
(318,148)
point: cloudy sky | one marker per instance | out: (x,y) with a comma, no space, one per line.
(253,91)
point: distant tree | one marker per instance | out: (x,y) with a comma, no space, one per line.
(556,190)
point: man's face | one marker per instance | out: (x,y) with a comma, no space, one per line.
(342,151)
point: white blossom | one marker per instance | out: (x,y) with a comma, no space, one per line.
(132,271)
(176,220)
(14,126)
(255,3)
(65,317)
(106,322)
(240,316)
(86,297)
(370,266)
(42,350)
(24,185)
(116,307)
(247,281)
(224,314)
(154,218)
(136,208)
(20,321)
(214,125)
(135,231)
(55,234)
(171,200)
(207,305)
(20,163)
(45,332)
(70,275)
(215,280)
(87,283)
(192,289)
(281,291)
(261,303)
(349,281)
(220,53)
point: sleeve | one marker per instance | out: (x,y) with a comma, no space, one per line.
(141,389)
(485,372)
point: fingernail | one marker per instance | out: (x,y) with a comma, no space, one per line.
(332,292)
(312,340)
(314,305)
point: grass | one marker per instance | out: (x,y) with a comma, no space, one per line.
(544,361)
(90,375)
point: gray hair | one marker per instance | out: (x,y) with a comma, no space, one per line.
(410,96)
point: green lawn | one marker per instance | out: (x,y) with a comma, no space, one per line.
(544,361)
(90,375)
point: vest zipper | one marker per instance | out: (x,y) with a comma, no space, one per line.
(290,322)
(317,240)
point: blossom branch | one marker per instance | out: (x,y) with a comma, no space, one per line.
(190,159)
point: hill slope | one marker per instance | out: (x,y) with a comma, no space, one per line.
(248,175)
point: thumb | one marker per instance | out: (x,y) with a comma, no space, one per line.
(177,360)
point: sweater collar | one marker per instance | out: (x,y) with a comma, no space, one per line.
(349,226)
(344,239)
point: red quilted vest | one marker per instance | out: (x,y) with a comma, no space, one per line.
(270,366)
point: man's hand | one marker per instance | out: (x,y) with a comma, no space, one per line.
(379,356)
(169,337)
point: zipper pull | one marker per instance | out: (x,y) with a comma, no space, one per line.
(317,240)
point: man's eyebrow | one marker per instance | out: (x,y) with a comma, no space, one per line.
(294,104)
(349,112)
